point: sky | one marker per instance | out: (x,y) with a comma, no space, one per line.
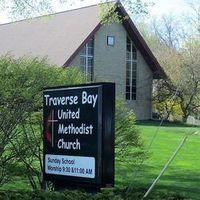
(161,7)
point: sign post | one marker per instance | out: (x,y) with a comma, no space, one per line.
(79,135)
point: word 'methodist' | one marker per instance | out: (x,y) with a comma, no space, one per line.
(67,112)
(76,130)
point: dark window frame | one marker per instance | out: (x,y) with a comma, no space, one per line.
(131,70)
(87,54)
(113,37)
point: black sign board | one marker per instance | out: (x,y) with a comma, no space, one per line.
(79,135)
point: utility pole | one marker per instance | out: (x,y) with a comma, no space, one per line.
(166,166)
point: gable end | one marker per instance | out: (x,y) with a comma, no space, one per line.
(141,44)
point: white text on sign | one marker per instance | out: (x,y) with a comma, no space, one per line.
(77,166)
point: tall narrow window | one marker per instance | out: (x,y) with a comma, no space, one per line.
(131,70)
(87,59)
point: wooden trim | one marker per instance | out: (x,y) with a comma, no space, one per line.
(140,43)
(138,40)
(67,63)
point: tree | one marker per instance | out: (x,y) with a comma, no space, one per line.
(169,30)
(129,147)
(190,86)
(194,18)
(179,57)
(21,84)
(23,9)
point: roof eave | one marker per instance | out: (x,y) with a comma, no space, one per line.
(67,63)
(158,72)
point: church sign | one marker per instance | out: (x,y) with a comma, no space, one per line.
(79,135)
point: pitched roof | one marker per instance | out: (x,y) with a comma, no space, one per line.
(62,35)
(140,43)
(58,35)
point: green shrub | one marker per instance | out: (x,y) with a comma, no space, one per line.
(21,84)
(108,194)
(129,146)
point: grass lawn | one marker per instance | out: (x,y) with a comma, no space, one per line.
(183,174)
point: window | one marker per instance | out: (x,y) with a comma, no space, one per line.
(87,59)
(110,40)
(131,70)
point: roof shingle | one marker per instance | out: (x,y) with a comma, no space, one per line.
(57,36)
(60,36)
